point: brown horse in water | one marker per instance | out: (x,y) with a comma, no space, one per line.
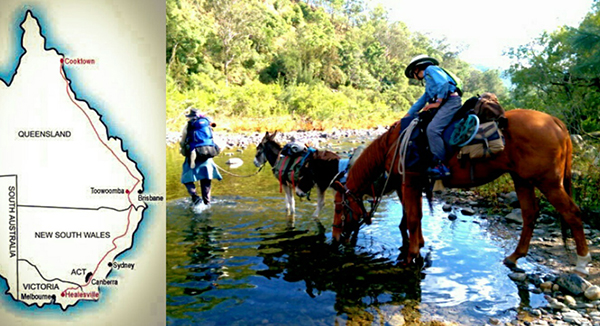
(537,155)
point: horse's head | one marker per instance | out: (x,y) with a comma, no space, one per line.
(349,214)
(261,157)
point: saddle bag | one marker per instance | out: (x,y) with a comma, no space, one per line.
(290,162)
(203,153)
(488,141)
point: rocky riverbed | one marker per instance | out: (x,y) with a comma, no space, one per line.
(318,139)
(571,299)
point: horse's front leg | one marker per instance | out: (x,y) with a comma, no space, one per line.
(413,212)
(404,231)
(529,210)
(290,204)
(402,226)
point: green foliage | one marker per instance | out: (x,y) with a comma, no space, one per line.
(322,63)
(558,73)
(586,182)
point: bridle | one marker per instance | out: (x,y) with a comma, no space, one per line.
(260,152)
(362,217)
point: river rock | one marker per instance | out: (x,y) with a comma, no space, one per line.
(584,305)
(447,207)
(572,316)
(577,141)
(556,305)
(452,217)
(234,162)
(518,277)
(572,283)
(398,319)
(570,301)
(511,199)
(546,286)
(536,313)
(535,279)
(592,293)
(515,216)
(467,211)
(545,219)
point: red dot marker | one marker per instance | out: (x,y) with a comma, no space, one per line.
(62,60)
(62,294)
(127,191)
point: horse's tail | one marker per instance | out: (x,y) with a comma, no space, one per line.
(568,174)
(429,195)
(567,179)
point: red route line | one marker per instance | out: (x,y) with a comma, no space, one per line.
(92,124)
(100,262)
(62,73)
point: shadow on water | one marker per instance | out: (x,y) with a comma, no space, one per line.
(361,281)
(243,262)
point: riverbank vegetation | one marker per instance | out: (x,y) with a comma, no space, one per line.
(284,64)
(323,64)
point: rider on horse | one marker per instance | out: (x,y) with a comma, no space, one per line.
(442,94)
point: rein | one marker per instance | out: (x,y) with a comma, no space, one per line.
(400,148)
(238,175)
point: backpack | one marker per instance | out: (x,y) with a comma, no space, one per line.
(457,82)
(488,108)
(199,140)
(293,149)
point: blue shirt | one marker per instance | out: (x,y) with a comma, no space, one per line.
(437,85)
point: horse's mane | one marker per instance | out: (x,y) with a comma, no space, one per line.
(274,145)
(371,162)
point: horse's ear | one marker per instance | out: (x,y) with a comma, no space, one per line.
(274,134)
(338,186)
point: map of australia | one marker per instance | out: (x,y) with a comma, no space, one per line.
(70,196)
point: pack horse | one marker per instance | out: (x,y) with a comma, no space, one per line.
(537,154)
(298,173)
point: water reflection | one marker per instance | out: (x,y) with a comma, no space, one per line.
(360,280)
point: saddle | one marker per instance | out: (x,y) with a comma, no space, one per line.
(486,132)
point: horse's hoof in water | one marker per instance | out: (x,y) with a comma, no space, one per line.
(512,266)
(402,262)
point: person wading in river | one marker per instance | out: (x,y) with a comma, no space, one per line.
(441,94)
(198,147)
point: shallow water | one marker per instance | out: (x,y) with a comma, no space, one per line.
(242,261)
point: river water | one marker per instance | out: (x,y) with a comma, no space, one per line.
(242,261)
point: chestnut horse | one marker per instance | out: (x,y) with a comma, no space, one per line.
(537,155)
